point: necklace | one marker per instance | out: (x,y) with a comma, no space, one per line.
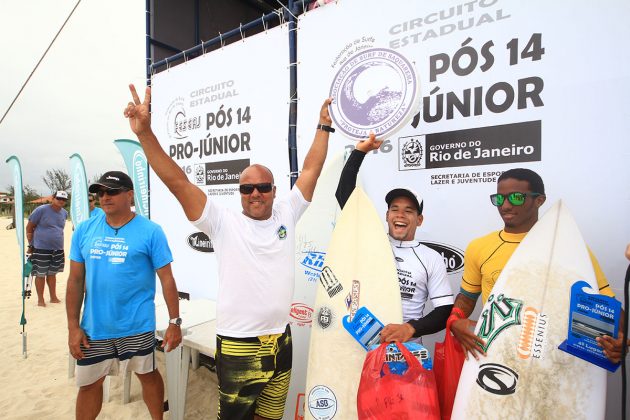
(116,229)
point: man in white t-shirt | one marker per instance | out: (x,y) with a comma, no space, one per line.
(255,252)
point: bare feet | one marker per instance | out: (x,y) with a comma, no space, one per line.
(55,300)
(41,303)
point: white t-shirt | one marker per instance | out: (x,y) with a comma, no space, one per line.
(255,258)
(421,275)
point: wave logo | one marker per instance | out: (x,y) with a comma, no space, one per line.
(533,336)
(375,90)
(322,403)
(140,182)
(453,257)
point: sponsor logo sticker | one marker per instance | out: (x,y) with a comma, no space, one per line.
(324,317)
(503,312)
(322,403)
(199,241)
(533,336)
(497,379)
(330,282)
(301,313)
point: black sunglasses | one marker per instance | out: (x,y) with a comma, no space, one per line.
(111,192)
(265,187)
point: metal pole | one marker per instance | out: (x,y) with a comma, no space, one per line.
(293,161)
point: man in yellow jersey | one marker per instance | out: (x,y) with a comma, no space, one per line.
(520,193)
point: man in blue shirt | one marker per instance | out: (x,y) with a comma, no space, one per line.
(44,233)
(113,262)
(94,211)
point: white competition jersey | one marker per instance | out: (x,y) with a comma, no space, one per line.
(255,258)
(421,275)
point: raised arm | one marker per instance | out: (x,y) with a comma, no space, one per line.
(191,198)
(314,160)
(348,178)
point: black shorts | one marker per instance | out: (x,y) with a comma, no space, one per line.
(47,262)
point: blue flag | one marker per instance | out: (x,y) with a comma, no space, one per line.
(79,206)
(137,167)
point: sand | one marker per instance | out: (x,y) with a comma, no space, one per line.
(38,387)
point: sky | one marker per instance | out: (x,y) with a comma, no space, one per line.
(74,102)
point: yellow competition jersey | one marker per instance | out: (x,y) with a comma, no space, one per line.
(485,257)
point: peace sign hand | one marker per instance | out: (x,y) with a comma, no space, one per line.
(138,112)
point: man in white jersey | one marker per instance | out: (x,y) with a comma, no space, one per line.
(255,251)
(421,270)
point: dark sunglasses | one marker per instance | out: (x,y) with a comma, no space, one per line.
(265,187)
(91,200)
(515,198)
(111,192)
(62,199)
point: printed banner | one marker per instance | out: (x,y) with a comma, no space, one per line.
(79,206)
(215,115)
(137,169)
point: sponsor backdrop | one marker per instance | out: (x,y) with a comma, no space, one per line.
(502,85)
(216,115)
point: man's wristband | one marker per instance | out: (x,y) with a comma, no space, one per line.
(326,128)
(458,313)
(30,246)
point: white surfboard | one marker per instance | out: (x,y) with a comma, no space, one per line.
(525,375)
(312,236)
(359,271)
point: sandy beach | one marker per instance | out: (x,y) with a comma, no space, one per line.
(38,387)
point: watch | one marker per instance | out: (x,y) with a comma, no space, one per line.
(175,321)
(326,128)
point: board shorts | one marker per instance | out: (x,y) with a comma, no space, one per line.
(135,353)
(254,375)
(47,262)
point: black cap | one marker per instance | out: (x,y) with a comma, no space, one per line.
(112,180)
(404,192)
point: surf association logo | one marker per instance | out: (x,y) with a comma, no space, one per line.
(178,124)
(497,379)
(375,90)
(322,402)
(502,313)
(411,153)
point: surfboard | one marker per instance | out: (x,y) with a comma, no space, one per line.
(312,236)
(525,375)
(359,270)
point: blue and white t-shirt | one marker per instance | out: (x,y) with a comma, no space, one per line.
(120,267)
